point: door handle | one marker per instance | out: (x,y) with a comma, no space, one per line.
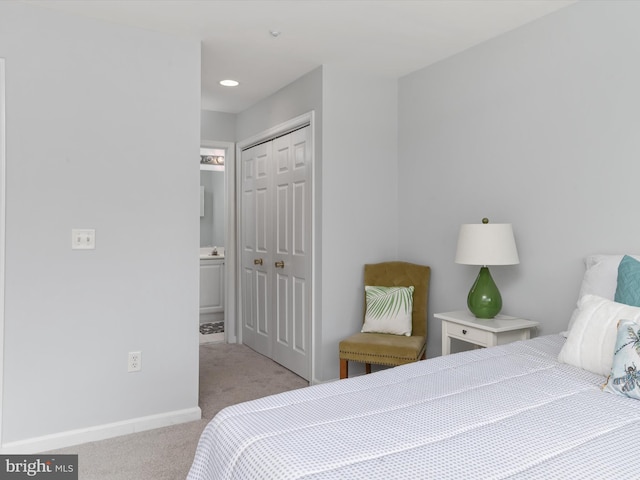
(257,261)
(279,264)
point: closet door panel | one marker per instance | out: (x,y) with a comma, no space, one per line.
(282,229)
(282,269)
(292,180)
(261,220)
(282,312)
(299,230)
(300,311)
(261,305)
(256,241)
(248,317)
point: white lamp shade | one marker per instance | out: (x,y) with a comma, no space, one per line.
(486,244)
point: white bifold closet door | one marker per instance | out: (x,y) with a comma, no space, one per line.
(276,250)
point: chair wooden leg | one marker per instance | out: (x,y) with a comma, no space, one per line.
(424,355)
(344,368)
(367,368)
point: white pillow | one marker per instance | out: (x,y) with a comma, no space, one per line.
(600,278)
(388,310)
(592,337)
(601,275)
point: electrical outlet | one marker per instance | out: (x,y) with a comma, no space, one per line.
(135,362)
(83,238)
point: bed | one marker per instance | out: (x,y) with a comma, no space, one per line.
(512,411)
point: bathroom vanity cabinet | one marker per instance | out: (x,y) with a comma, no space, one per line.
(211,289)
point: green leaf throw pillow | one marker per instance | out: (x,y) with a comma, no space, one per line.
(628,287)
(388,310)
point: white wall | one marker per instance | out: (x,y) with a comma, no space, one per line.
(298,98)
(295,99)
(102,122)
(217,126)
(359,200)
(539,128)
(356,193)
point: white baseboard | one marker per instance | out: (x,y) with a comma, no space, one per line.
(100,432)
(212,338)
(315,381)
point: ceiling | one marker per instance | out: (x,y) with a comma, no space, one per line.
(382,37)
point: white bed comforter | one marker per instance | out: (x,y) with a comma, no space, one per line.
(504,412)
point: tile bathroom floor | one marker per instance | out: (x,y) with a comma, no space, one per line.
(212,332)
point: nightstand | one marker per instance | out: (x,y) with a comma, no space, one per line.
(463,325)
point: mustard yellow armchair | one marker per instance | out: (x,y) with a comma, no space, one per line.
(388,349)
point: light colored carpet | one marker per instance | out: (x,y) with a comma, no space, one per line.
(229,374)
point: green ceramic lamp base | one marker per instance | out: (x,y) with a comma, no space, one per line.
(484,299)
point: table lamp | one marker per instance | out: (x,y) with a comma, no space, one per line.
(486,244)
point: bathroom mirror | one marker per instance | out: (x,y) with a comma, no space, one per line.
(212,218)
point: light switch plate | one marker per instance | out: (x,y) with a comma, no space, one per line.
(83,239)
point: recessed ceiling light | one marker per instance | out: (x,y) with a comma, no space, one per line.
(229,83)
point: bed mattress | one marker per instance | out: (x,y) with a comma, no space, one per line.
(504,412)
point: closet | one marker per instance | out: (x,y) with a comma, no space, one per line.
(275,239)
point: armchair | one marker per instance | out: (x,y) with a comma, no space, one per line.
(384,348)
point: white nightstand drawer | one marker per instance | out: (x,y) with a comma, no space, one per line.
(462,325)
(468,334)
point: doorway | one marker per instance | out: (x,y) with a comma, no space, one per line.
(217,241)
